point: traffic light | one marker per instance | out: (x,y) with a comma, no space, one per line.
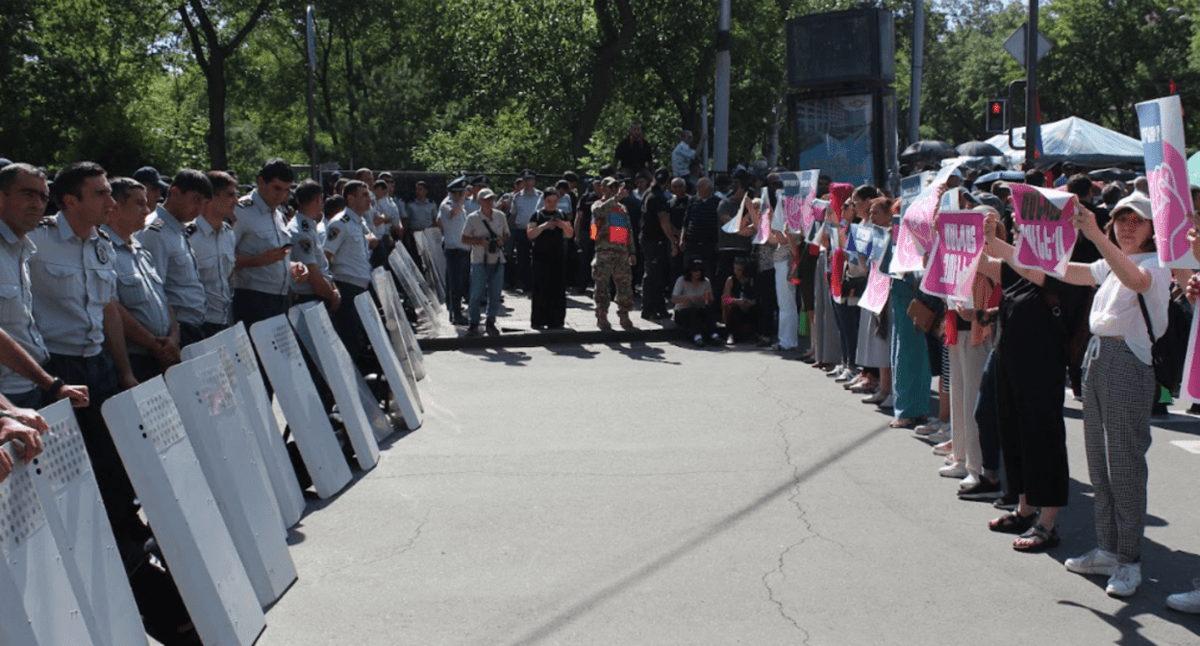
(995,118)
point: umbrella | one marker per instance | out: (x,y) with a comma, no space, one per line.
(1005,175)
(928,150)
(1112,175)
(978,149)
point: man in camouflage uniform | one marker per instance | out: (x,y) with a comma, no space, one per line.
(614,253)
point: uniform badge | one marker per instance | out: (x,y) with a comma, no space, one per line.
(101,254)
(306,246)
(190,230)
(304,226)
(333,233)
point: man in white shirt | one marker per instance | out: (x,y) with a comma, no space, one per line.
(683,155)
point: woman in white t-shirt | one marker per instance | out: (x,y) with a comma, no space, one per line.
(1119,386)
(693,298)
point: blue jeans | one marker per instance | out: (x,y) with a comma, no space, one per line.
(458,267)
(489,278)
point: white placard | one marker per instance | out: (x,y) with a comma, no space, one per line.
(215,419)
(315,331)
(34,565)
(403,387)
(76,517)
(183,513)
(246,378)
(404,342)
(285,367)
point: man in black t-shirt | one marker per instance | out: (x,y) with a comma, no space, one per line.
(583,238)
(678,203)
(656,250)
(634,153)
(730,245)
(700,227)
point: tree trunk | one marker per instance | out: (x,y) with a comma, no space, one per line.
(217,91)
(616,39)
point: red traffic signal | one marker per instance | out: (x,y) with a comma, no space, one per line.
(995,118)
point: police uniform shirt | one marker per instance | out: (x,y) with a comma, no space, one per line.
(16,306)
(257,229)
(308,240)
(420,214)
(346,242)
(73,280)
(452,227)
(158,212)
(139,287)
(386,208)
(167,241)
(215,258)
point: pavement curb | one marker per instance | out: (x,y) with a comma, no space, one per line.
(550,337)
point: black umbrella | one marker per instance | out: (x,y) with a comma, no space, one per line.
(978,149)
(1112,175)
(928,150)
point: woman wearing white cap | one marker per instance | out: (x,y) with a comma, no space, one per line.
(1128,313)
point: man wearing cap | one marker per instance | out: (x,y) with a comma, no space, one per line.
(151,331)
(634,153)
(212,239)
(384,219)
(23,354)
(261,241)
(486,231)
(348,241)
(417,216)
(683,155)
(166,238)
(525,203)
(615,253)
(452,217)
(307,232)
(156,190)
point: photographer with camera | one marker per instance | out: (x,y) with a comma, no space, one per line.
(485,232)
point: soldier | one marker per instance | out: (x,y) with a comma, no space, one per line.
(347,245)
(166,238)
(486,231)
(307,232)
(151,331)
(23,354)
(614,253)
(262,244)
(212,240)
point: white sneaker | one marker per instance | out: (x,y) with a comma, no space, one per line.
(847,375)
(943,448)
(942,435)
(929,428)
(1186,601)
(874,398)
(1125,581)
(1096,561)
(971,480)
(955,470)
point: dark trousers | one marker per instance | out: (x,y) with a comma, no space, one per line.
(985,414)
(583,265)
(250,307)
(206,330)
(696,320)
(458,281)
(189,334)
(847,317)
(517,270)
(345,320)
(725,258)
(654,277)
(549,297)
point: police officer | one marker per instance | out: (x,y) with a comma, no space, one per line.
(347,245)
(151,331)
(262,244)
(452,217)
(307,232)
(23,354)
(211,237)
(156,190)
(166,238)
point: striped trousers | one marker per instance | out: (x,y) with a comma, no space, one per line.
(1118,392)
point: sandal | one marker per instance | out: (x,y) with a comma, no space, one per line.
(1012,523)
(1038,539)
(905,422)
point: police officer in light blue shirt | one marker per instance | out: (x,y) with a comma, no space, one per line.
(156,190)
(211,237)
(151,331)
(452,217)
(261,240)
(167,240)
(307,232)
(348,241)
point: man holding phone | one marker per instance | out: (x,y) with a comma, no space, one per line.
(261,241)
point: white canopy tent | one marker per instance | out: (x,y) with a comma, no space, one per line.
(1078,141)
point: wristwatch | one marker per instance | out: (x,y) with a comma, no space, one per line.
(54,386)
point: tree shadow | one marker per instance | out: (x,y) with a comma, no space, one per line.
(639,351)
(500,355)
(576,350)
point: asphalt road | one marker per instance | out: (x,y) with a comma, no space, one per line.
(618,494)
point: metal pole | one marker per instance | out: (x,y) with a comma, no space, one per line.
(704,131)
(312,66)
(1031,124)
(721,104)
(918,64)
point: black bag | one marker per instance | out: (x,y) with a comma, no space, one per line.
(1170,350)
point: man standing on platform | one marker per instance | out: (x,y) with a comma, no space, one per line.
(634,152)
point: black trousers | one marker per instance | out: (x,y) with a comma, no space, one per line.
(250,306)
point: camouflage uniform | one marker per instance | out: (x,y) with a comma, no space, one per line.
(614,244)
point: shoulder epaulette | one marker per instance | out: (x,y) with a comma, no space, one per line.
(48,221)
(103,234)
(156,225)
(190,230)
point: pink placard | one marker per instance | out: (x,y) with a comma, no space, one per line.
(1043,218)
(1161,122)
(879,284)
(955,257)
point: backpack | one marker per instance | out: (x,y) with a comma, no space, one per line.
(1170,350)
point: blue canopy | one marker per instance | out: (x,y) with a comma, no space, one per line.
(1078,141)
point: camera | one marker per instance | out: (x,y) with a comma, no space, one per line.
(493,244)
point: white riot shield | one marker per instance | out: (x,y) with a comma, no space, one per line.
(404,342)
(433,240)
(403,387)
(413,287)
(15,626)
(34,566)
(315,331)
(281,359)
(432,272)
(179,504)
(75,515)
(246,379)
(214,417)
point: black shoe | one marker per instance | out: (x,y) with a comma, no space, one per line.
(1160,410)
(1194,409)
(1007,502)
(458,320)
(492,330)
(983,490)
(473,330)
